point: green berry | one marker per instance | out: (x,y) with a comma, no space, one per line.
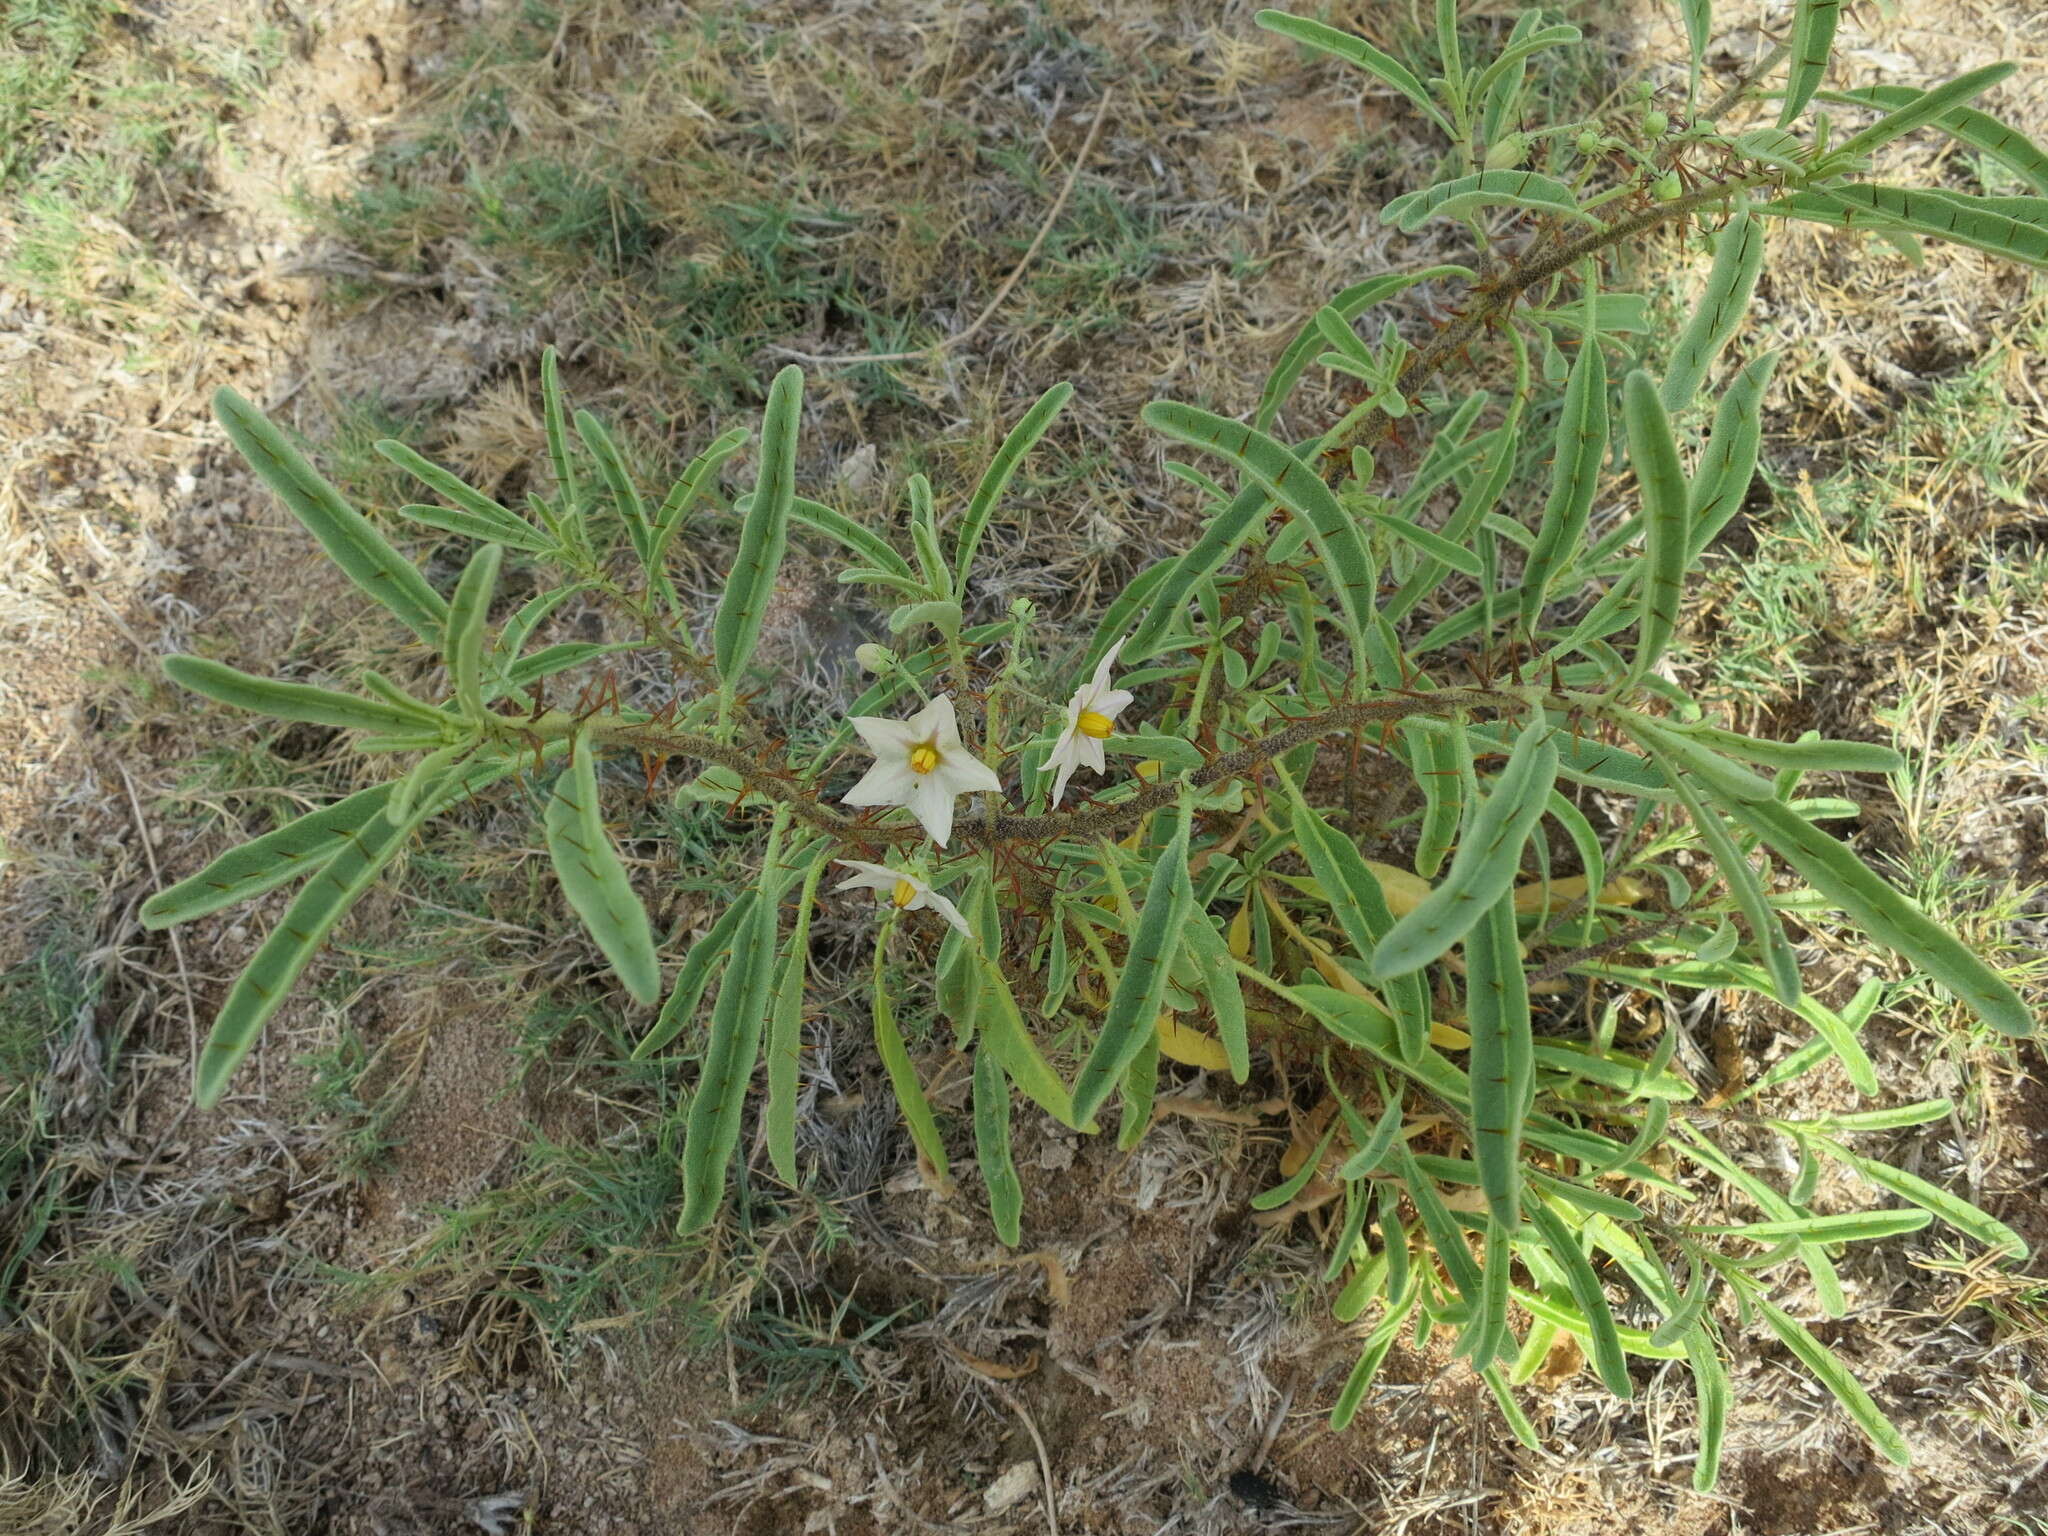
(1655,123)
(1588,142)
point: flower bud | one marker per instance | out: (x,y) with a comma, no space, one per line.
(873,657)
(1508,153)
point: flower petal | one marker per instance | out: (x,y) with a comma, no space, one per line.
(889,782)
(1113,701)
(1108,660)
(884,737)
(937,903)
(870,877)
(965,774)
(931,802)
(936,722)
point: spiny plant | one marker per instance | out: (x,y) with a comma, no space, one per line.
(1510,1147)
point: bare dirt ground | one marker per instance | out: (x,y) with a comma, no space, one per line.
(222,1322)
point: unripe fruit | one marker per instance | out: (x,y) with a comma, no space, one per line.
(1655,123)
(1588,143)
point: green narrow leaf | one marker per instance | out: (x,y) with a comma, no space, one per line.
(2012,227)
(1710,1382)
(476,516)
(2007,145)
(1005,1032)
(786,1033)
(306,923)
(1666,498)
(1577,454)
(286,853)
(1272,1199)
(1588,1295)
(296,701)
(1348,305)
(1832,1374)
(568,500)
(1926,107)
(1377,1344)
(595,881)
(910,1096)
(626,497)
(1727,465)
(1813,38)
(1356,50)
(1738,258)
(1780,963)
(1827,865)
(1959,1213)
(1503,1062)
(683,495)
(1345,563)
(463,648)
(347,536)
(996,479)
(764,535)
(1140,990)
(1436,756)
(1221,989)
(1484,867)
(706,957)
(1140,1086)
(1361,908)
(1699,31)
(712,1131)
(1465,195)
(992,1147)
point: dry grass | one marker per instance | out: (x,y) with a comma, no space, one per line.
(373,217)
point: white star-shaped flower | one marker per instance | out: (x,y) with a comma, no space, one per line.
(1091,716)
(920,763)
(903,891)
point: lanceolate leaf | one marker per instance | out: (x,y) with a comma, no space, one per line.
(700,472)
(467,613)
(910,1095)
(1483,189)
(1346,565)
(1356,50)
(1576,456)
(1665,498)
(1779,960)
(618,480)
(706,957)
(713,1129)
(1488,856)
(1882,912)
(1979,130)
(992,1146)
(764,535)
(786,1032)
(1140,988)
(359,549)
(1833,1375)
(1738,258)
(1710,1381)
(477,515)
(595,881)
(1813,38)
(1588,1295)
(297,848)
(295,701)
(2002,226)
(1699,31)
(1953,1209)
(1503,1063)
(996,479)
(1925,107)
(1349,305)
(364,852)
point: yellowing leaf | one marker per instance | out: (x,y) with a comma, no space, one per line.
(1621,891)
(1240,935)
(1403,888)
(1190,1047)
(1449,1037)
